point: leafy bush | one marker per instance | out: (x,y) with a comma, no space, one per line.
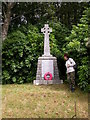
(19,55)
(83,74)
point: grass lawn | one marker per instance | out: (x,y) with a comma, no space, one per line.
(45,101)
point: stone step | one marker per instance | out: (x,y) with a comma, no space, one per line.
(46,82)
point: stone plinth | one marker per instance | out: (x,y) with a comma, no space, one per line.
(52,68)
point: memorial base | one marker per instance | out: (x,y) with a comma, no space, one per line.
(47,82)
(40,71)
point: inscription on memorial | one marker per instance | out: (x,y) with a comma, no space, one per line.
(47,66)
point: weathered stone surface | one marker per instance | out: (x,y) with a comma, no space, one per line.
(40,79)
(46,82)
(46,31)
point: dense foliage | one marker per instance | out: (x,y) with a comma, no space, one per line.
(20,52)
(76,47)
(24,44)
(67,12)
(15,14)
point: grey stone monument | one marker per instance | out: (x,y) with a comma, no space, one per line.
(47,63)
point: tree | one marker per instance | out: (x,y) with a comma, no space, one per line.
(7,18)
(69,13)
(21,13)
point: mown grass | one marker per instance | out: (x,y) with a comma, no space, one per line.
(45,101)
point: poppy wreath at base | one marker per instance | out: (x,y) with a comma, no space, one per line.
(48,76)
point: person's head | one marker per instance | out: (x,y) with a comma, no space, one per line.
(66,56)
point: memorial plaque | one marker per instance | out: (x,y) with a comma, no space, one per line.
(47,66)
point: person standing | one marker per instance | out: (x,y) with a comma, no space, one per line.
(70,63)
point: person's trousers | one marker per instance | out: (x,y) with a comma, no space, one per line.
(71,79)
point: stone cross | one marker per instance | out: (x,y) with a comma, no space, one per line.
(46,31)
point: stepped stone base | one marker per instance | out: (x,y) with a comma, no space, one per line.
(39,79)
(46,82)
